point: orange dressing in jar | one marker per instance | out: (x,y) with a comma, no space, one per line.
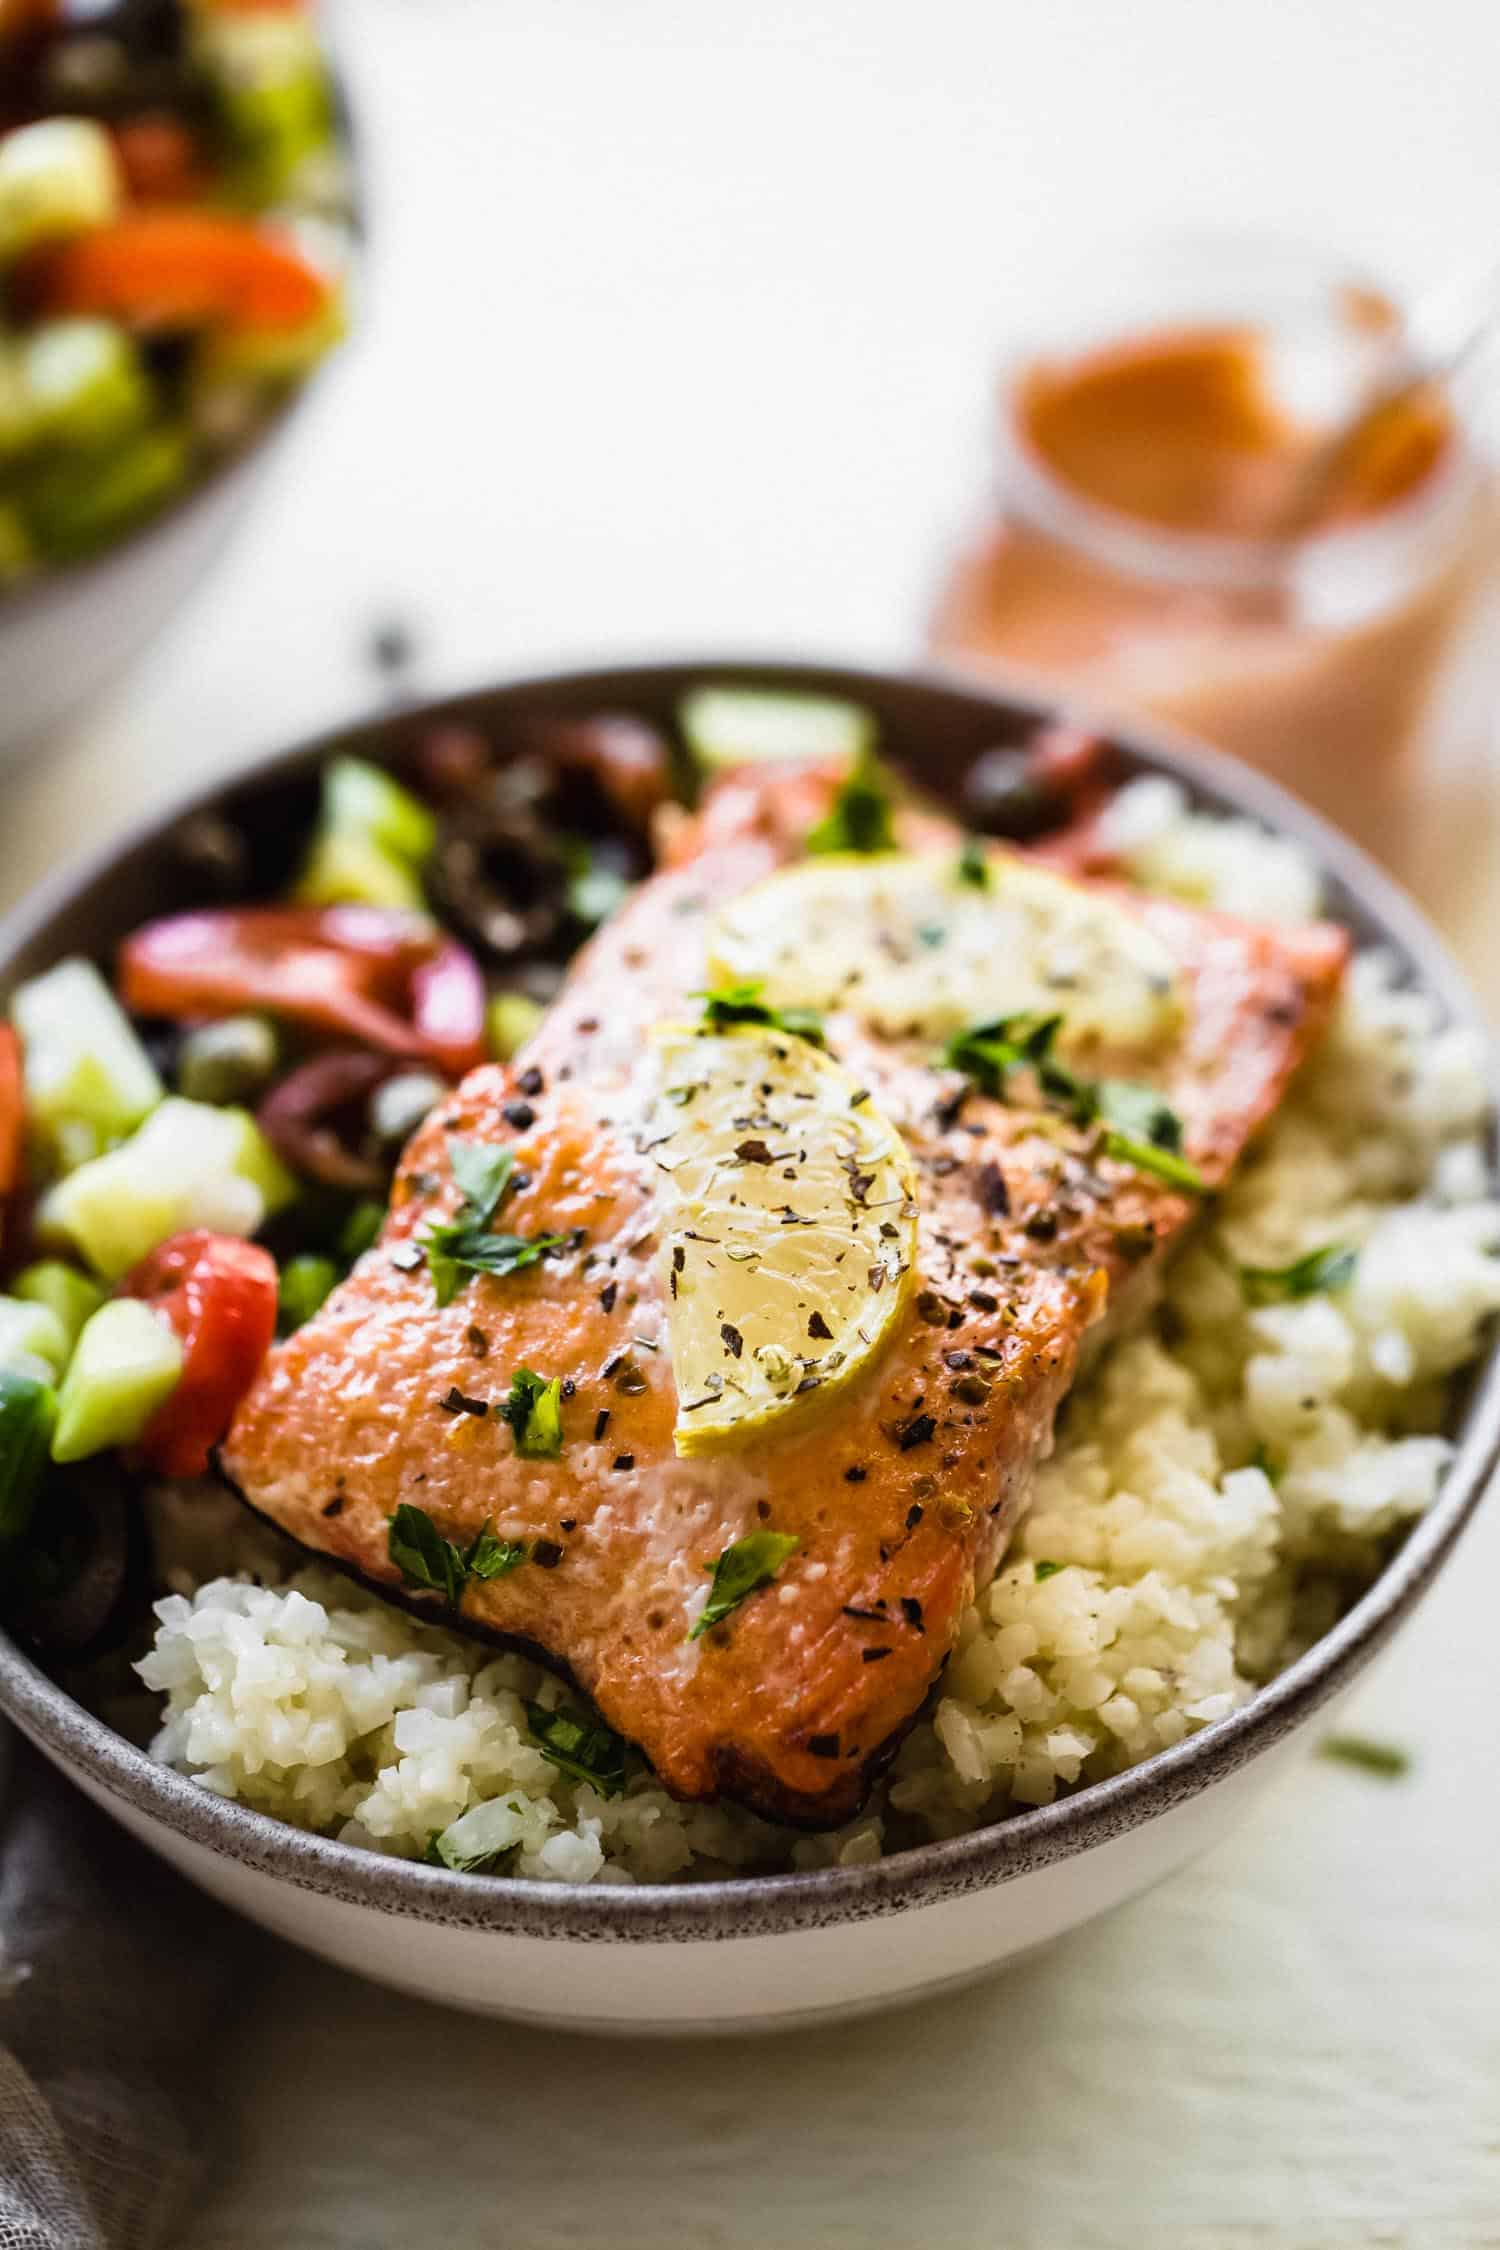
(1141,545)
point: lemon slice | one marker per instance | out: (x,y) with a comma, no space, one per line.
(788,1221)
(916,948)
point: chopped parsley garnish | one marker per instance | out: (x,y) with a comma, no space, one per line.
(973,864)
(989,1052)
(1044,1570)
(1138,1126)
(859,819)
(1331,1267)
(482,1176)
(1384,1759)
(726,1005)
(463,1245)
(490,1557)
(752,1562)
(426,1559)
(1142,1130)
(583,1749)
(533,1408)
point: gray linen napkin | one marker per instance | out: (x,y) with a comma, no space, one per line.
(116,1982)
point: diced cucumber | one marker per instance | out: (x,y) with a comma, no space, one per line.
(268,73)
(85,1068)
(31,1335)
(190,1165)
(126,1363)
(28,1415)
(84,381)
(78,502)
(509,1021)
(729,726)
(371,841)
(305,1282)
(228,1061)
(360,799)
(56,177)
(66,1292)
(353,870)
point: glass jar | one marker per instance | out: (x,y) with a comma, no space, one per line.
(1135,545)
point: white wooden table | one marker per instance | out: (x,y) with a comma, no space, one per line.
(678,328)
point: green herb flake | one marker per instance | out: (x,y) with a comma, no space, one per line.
(423,1556)
(533,1408)
(1147,1156)
(480,1839)
(752,1562)
(1046,1570)
(584,1750)
(490,1557)
(1384,1759)
(1329,1268)
(426,1559)
(726,1005)
(973,864)
(482,1175)
(859,819)
(989,1052)
(463,1245)
(1139,1127)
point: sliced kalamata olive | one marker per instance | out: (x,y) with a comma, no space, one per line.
(1078,764)
(316,1118)
(628,759)
(1063,775)
(500,879)
(1002,797)
(453,761)
(232,1060)
(84,1562)
(214,854)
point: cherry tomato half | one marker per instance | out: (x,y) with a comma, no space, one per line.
(167,268)
(391,980)
(219,1295)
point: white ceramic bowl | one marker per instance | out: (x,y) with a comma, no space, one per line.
(764,1950)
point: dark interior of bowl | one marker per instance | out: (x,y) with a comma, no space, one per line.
(936,733)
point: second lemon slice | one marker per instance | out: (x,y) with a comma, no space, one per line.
(916,949)
(788,1210)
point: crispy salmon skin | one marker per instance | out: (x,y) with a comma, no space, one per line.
(900,1492)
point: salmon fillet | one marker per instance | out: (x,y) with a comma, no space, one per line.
(901,1492)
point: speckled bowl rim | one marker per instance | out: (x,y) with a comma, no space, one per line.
(760,1905)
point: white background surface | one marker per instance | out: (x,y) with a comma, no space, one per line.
(679,324)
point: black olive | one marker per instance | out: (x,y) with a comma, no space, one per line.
(87,1559)
(1002,796)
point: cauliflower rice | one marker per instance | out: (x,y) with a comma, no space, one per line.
(1222,1487)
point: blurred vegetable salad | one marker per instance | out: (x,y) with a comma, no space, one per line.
(197,1139)
(174,225)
